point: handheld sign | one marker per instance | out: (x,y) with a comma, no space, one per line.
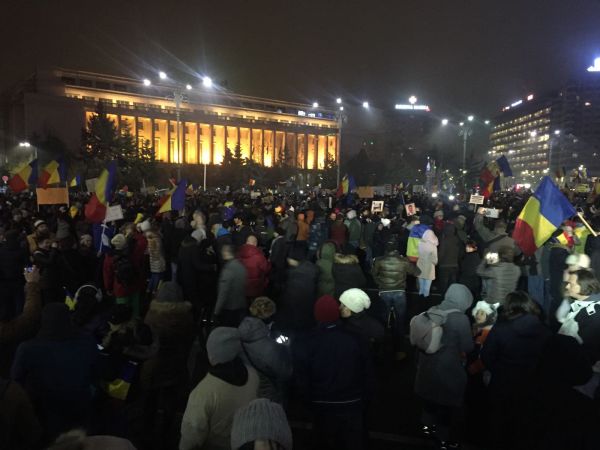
(411,209)
(477,199)
(113,213)
(377,206)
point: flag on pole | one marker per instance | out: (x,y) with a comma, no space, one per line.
(346,186)
(175,199)
(25,176)
(53,173)
(543,213)
(95,209)
(76,181)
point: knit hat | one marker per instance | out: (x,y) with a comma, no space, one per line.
(145,226)
(119,241)
(169,291)
(37,223)
(490,312)
(327,309)
(261,419)
(385,222)
(356,300)
(199,234)
(438,213)
(351,214)
(223,345)
(263,308)
(582,260)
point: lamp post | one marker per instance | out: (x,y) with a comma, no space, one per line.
(340,118)
(465,131)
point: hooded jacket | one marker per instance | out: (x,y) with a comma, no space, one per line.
(390,271)
(347,273)
(503,278)
(257,269)
(272,361)
(325,265)
(441,377)
(232,287)
(450,249)
(428,256)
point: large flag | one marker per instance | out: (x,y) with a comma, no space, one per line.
(504,166)
(24,177)
(95,209)
(76,181)
(175,199)
(412,247)
(346,186)
(490,175)
(53,173)
(544,212)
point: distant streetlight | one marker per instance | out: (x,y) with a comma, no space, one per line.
(207,82)
(24,144)
(434,194)
(365,105)
(412,99)
(147,82)
(533,133)
(338,101)
(451,198)
(341,108)
(162,75)
(487,122)
(556,132)
(188,87)
(461,124)
(444,122)
(315,104)
(470,118)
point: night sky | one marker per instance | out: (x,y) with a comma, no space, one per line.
(459,56)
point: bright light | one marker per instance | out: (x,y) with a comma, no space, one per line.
(587,104)
(527,185)
(302,113)
(487,122)
(470,118)
(557,132)
(315,104)
(533,133)
(451,198)
(365,105)
(412,99)
(444,122)
(24,144)
(338,101)
(434,194)
(595,67)
(162,75)
(545,170)
(461,124)
(207,82)
(511,152)
(147,82)
(188,87)
(341,108)
(517,103)
(530,97)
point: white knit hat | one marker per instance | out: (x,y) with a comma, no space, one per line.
(356,300)
(385,222)
(145,226)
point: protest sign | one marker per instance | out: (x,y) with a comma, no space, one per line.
(477,199)
(365,191)
(52,196)
(90,184)
(377,206)
(114,212)
(411,209)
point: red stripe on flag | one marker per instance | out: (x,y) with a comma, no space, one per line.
(524,237)
(95,211)
(17,184)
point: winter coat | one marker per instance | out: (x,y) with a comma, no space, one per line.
(380,239)
(428,256)
(47,262)
(272,361)
(172,323)
(468,273)
(112,283)
(232,287)
(592,249)
(390,271)
(441,377)
(347,274)
(557,265)
(20,427)
(295,308)
(365,326)
(339,234)
(196,271)
(354,229)
(303,230)
(511,351)
(450,249)
(210,409)
(240,235)
(277,258)
(499,239)
(325,265)
(582,322)
(13,260)
(257,269)
(317,234)
(19,327)
(368,231)
(503,278)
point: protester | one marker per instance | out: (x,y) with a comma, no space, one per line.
(354,305)
(256,265)
(262,423)
(500,273)
(231,301)
(347,273)
(428,259)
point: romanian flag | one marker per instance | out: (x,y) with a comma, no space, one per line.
(412,248)
(26,176)
(490,176)
(175,199)
(95,209)
(346,186)
(544,212)
(54,172)
(76,181)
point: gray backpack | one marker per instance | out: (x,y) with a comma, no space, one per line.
(427,329)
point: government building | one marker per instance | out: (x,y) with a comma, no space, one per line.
(60,102)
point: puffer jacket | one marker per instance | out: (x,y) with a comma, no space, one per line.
(257,269)
(503,278)
(347,273)
(390,271)
(428,256)
(325,265)
(272,361)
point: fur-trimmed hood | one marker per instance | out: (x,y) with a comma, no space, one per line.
(340,258)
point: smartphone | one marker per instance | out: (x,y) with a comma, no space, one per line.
(281,339)
(29,269)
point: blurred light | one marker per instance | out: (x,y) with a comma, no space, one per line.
(341,108)
(533,133)
(444,122)
(461,124)
(24,144)
(557,132)
(545,170)
(412,99)
(301,192)
(510,152)
(451,198)
(517,103)
(207,82)
(487,122)
(434,194)
(315,104)
(527,185)
(188,87)
(147,82)
(595,67)
(530,97)
(365,105)
(162,75)
(302,113)
(338,100)
(587,104)
(470,118)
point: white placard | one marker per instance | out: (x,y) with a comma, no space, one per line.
(492,213)
(90,184)
(411,209)
(477,199)
(114,212)
(377,206)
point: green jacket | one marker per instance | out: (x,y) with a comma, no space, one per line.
(390,271)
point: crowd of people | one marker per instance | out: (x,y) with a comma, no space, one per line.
(199,328)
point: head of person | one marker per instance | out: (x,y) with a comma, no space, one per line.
(56,322)
(40,228)
(17,216)
(44,241)
(263,308)
(500,227)
(169,292)
(470,246)
(128,229)
(457,296)
(227,252)
(119,242)
(517,304)
(506,254)
(578,261)
(238,220)
(252,240)
(198,219)
(301,217)
(484,314)
(86,241)
(296,255)
(262,424)
(326,310)
(581,284)
(87,300)
(353,301)
(279,231)
(223,345)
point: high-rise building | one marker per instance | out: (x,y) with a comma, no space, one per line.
(61,101)
(543,133)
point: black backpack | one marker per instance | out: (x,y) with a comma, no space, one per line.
(124,269)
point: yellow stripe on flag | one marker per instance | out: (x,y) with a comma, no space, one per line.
(542,227)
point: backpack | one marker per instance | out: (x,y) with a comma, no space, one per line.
(427,329)
(124,269)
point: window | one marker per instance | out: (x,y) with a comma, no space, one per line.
(156,126)
(119,87)
(123,103)
(69,80)
(102,85)
(171,128)
(140,125)
(85,83)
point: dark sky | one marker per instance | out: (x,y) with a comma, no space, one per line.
(459,56)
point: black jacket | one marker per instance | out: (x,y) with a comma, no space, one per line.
(295,309)
(468,273)
(196,271)
(347,274)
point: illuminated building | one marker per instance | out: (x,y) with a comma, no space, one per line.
(60,101)
(539,135)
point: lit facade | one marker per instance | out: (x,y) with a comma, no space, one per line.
(211,121)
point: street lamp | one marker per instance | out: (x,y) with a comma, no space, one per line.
(147,82)
(461,124)
(487,122)
(470,118)
(412,99)
(465,132)
(338,101)
(444,122)
(188,87)
(556,132)
(25,144)
(365,105)
(315,104)
(207,82)
(162,75)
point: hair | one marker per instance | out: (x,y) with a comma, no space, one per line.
(506,254)
(228,249)
(518,303)
(587,281)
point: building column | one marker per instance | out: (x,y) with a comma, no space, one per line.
(262,147)
(137,134)
(212,143)
(198,149)
(152,136)
(168,141)
(250,149)
(305,150)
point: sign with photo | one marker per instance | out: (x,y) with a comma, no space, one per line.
(411,209)
(377,206)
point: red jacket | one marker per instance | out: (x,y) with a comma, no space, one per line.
(257,269)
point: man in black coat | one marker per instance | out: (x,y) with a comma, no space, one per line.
(277,258)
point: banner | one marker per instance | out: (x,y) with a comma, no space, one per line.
(365,191)
(90,184)
(52,196)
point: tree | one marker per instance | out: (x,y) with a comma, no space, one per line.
(329,175)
